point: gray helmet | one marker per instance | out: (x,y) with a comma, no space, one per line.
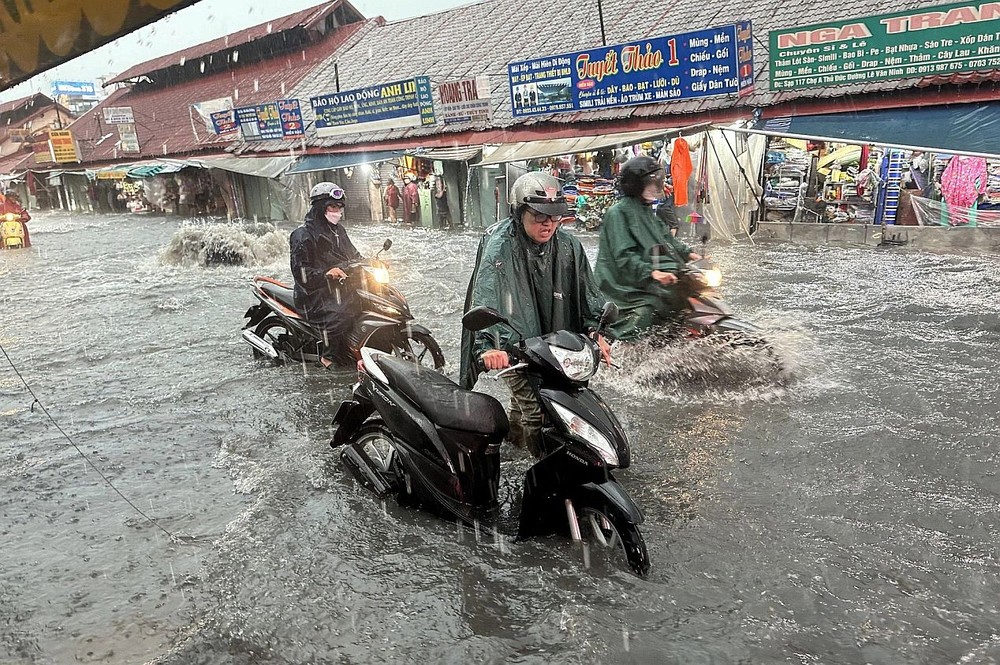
(538,191)
(327,192)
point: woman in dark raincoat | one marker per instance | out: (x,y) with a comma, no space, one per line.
(320,255)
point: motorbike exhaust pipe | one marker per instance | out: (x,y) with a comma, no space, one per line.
(256,342)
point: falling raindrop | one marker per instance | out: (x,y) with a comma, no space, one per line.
(202,66)
(282,88)
(183,60)
(268,28)
(236,56)
(256,85)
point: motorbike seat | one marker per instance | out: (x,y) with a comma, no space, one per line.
(283,294)
(442,400)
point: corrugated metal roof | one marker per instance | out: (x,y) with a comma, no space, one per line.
(482,38)
(305,19)
(165,123)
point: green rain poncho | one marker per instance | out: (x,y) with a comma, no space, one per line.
(538,288)
(625,262)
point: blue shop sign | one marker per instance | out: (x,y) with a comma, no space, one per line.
(406,103)
(292,125)
(701,63)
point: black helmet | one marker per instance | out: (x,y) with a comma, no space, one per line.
(325,193)
(638,172)
(539,191)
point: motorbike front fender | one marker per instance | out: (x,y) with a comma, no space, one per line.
(608,492)
(349,417)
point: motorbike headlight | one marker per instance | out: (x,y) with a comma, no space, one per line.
(712,277)
(10,217)
(588,433)
(576,365)
(380,275)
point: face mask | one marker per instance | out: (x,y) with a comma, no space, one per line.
(333,216)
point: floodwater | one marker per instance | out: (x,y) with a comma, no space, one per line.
(845,512)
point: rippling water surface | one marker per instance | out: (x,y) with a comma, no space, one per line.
(845,511)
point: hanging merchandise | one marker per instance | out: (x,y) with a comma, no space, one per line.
(963,180)
(680,170)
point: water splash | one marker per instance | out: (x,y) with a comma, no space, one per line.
(210,243)
(706,369)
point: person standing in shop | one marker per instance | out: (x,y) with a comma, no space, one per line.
(441,198)
(411,200)
(392,200)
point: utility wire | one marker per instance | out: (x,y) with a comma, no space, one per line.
(82,454)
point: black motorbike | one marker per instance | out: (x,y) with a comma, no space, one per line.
(415,434)
(705,312)
(275,329)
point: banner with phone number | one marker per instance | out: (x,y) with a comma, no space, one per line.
(701,63)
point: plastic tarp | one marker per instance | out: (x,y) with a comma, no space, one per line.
(341,160)
(731,163)
(261,167)
(956,128)
(938,213)
(519,152)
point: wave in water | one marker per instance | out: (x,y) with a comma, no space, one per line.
(240,243)
(709,368)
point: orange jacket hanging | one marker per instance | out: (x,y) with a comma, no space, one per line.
(680,170)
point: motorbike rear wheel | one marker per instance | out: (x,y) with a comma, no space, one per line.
(612,535)
(273,331)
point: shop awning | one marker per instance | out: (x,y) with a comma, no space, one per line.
(455,154)
(340,160)
(519,152)
(957,128)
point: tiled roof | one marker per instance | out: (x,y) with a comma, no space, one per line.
(165,122)
(18,104)
(481,38)
(17,161)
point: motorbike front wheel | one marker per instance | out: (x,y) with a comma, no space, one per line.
(411,345)
(611,534)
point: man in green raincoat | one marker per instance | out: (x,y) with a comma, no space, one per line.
(638,257)
(538,277)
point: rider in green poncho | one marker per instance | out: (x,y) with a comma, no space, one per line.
(538,277)
(638,257)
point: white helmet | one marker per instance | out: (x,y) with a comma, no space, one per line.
(539,191)
(327,192)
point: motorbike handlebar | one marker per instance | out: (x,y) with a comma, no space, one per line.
(510,359)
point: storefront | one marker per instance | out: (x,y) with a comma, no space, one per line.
(928,166)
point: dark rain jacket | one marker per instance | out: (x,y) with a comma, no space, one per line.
(316,247)
(625,261)
(538,288)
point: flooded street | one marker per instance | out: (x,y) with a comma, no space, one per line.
(846,513)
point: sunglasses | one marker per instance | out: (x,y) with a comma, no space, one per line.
(541,218)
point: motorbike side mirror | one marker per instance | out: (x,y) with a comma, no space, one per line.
(480,318)
(608,315)
(386,245)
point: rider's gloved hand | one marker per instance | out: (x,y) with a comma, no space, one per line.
(495,359)
(665,278)
(336,273)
